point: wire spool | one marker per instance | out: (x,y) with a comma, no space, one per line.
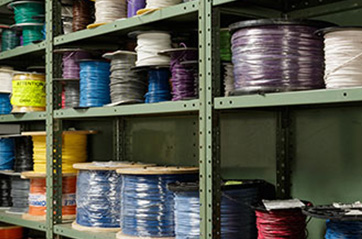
(134,6)
(343,229)
(9,39)
(19,194)
(37,197)
(146,203)
(11,232)
(237,216)
(6,77)
(108,11)
(228,78)
(225,45)
(67,19)
(28,92)
(32,33)
(277,55)
(94,83)
(5,106)
(127,85)
(82,12)
(23,154)
(70,62)
(98,196)
(149,44)
(6,153)
(183,75)
(74,150)
(27,11)
(280,223)
(5,192)
(158,85)
(152,5)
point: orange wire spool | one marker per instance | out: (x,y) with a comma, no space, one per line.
(37,196)
(11,232)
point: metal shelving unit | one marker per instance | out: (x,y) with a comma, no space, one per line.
(220,127)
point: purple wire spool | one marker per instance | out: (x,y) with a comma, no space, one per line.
(183,69)
(71,65)
(134,6)
(277,55)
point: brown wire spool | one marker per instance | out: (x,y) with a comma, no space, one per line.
(82,14)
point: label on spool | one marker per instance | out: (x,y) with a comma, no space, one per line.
(28,93)
(37,200)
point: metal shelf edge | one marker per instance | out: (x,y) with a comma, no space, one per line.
(30,116)
(68,231)
(22,50)
(17,220)
(311,97)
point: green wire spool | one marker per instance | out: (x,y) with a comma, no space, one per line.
(27,11)
(225,45)
(9,39)
(32,33)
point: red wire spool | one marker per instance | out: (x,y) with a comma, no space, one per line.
(11,232)
(281,224)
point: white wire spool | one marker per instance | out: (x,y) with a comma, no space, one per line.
(228,78)
(149,44)
(110,10)
(152,4)
(67,11)
(6,77)
(343,57)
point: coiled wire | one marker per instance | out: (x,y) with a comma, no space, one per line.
(32,34)
(98,198)
(5,191)
(151,4)
(343,229)
(71,65)
(6,153)
(23,154)
(5,106)
(277,58)
(20,194)
(9,39)
(94,83)
(133,6)
(110,10)
(158,86)
(82,14)
(27,12)
(147,205)
(228,78)
(71,94)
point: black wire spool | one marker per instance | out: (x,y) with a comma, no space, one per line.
(329,212)
(5,191)
(23,154)
(19,194)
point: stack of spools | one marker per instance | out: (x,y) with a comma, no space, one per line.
(147,206)
(153,5)
(98,195)
(108,11)
(149,44)
(71,69)
(28,92)
(11,232)
(127,85)
(6,76)
(237,216)
(277,55)
(28,18)
(9,38)
(225,58)
(67,19)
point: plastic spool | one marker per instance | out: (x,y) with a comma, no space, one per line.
(237,216)
(74,149)
(127,85)
(146,203)
(11,232)
(94,83)
(273,55)
(158,85)
(37,196)
(19,194)
(23,154)
(27,11)
(6,153)
(134,6)
(108,11)
(32,33)
(98,196)
(149,44)
(9,39)
(153,5)
(225,45)
(28,92)
(6,77)
(228,78)
(5,192)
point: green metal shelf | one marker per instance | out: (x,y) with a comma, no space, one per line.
(30,116)
(124,24)
(312,97)
(22,50)
(135,109)
(17,220)
(68,231)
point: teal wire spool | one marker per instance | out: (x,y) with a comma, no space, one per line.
(225,45)
(27,11)
(9,39)
(32,33)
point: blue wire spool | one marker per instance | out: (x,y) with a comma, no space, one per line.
(6,153)
(94,83)
(5,106)
(147,206)
(344,229)
(158,86)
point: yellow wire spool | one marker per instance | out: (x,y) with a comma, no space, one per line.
(28,92)
(74,150)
